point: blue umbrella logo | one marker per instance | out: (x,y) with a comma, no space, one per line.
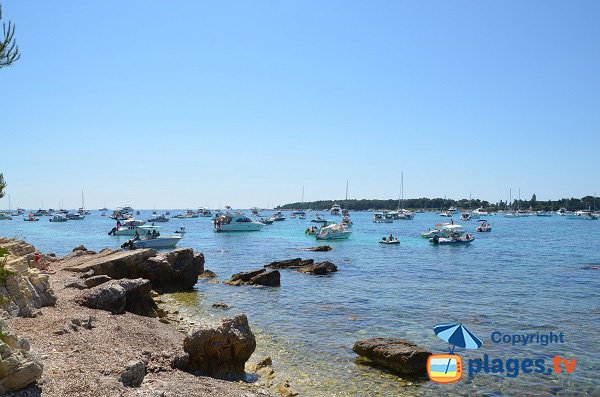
(457,335)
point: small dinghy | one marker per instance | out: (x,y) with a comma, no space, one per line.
(455,239)
(181,230)
(267,221)
(389,240)
(484,226)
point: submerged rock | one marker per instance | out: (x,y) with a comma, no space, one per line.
(18,367)
(395,354)
(207,274)
(221,351)
(320,248)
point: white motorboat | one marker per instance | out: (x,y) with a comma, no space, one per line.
(130,227)
(319,219)
(159,242)
(452,240)
(181,230)
(484,226)
(333,232)
(543,213)
(267,221)
(562,211)
(204,212)
(465,217)
(31,218)
(159,218)
(5,217)
(188,215)
(335,210)
(444,230)
(75,217)
(447,214)
(405,214)
(302,216)
(452,209)
(347,222)
(479,212)
(583,215)
(381,217)
(235,222)
(58,218)
(278,216)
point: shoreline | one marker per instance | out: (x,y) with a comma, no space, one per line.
(89,362)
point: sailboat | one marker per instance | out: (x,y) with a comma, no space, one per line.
(82,210)
(403,213)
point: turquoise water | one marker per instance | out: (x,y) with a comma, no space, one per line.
(526,276)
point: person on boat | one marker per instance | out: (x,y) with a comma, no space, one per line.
(451,221)
(118,224)
(436,239)
(136,236)
(391,238)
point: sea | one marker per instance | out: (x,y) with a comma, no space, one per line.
(528,276)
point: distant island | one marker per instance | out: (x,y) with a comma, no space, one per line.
(434,204)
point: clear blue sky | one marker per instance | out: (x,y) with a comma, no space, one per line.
(193,103)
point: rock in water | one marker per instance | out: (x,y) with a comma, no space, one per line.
(221,351)
(256,277)
(396,354)
(319,268)
(320,248)
(133,374)
(118,296)
(289,263)
(18,367)
(268,279)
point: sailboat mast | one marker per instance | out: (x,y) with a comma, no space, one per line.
(346,199)
(302,196)
(402,189)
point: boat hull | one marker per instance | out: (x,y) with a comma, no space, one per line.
(240,227)
(159,242)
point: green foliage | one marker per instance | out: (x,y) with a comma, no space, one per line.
(9,51)
(2,185)
(437,204)
(4,272)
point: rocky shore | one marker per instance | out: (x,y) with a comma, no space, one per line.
(93,328)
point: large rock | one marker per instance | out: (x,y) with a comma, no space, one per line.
(318,268)
(119,296)
(396,354)
(256,277)
(23,290)
(174,270)
(221,351)
(18,367)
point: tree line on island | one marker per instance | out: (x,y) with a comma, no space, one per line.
(437,204)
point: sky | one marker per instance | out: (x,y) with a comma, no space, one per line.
(180,104)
